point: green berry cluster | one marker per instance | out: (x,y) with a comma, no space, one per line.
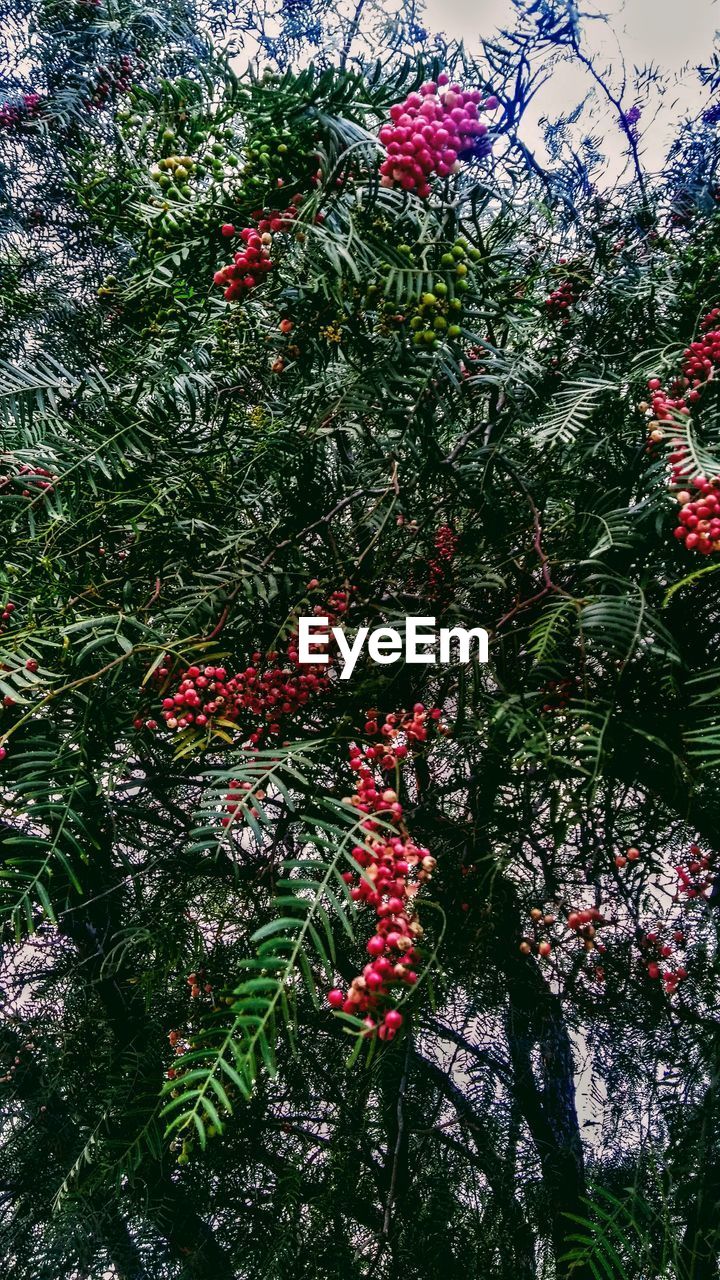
(438,312)
(434,316)
(172,174)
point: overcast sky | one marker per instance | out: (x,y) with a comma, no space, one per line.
(673,35)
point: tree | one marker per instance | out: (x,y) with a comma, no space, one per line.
(416,970)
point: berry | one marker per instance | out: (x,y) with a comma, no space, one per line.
(429,133)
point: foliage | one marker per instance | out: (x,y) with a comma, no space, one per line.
(389,420)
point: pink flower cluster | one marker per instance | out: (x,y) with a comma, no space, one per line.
(430,132)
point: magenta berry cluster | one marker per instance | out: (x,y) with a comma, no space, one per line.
(116,77)
(430,132)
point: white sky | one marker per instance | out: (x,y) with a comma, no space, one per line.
(673,36)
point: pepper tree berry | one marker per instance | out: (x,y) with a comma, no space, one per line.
(266,693)
(657,946)
(249,266)
(238,803)
(440,563)
(692,881)
(6,612)
(41,480)
(116,77)
(15,114)
(699,518)
(560,300)
(271,689)
(434,315)
(394,869)
(430,132)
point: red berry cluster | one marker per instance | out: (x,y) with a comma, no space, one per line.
(413,725)
(18,1061)
(699,518)
(693,881)
(40,478)
(394,869)
(276,220)
(622,859)
(180,1045)
(654,951)
(6,614)
(558,302)
(13,115)
(657,946)
(206,694)
(430,131)
(559,693)
(117,76)
(179,1042)
(198,983)
(445,543)
(582,923)
(249,266)
(235,801)
(541,920)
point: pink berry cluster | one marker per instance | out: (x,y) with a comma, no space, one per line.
(560,300)
(395,868)
(430,132)
(250,265)
(13,115)
(440,563)
(698,525)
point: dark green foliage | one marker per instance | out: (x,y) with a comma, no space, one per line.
(204,463)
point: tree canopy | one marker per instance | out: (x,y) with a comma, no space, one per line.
(414,972)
